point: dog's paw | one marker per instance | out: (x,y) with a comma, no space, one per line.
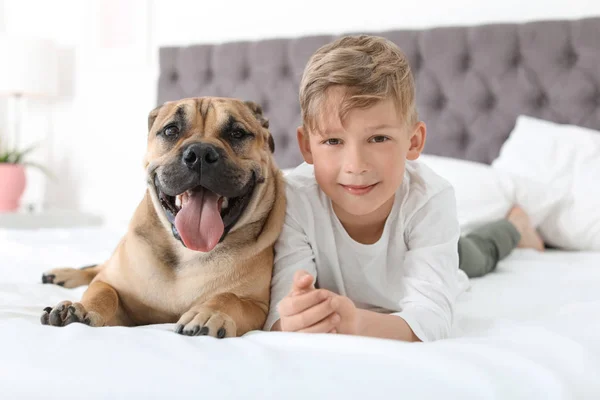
(205,321)
(66,313)
(67,277)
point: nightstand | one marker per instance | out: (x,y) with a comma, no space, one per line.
(48,219)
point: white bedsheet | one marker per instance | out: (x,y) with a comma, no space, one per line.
(529,331)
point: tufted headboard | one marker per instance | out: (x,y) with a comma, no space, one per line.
(471,82)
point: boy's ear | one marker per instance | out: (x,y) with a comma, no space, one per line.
(304,145)
(417,141)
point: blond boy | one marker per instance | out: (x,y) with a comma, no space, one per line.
(375,231)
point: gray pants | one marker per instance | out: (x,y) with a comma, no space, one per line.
(480,250)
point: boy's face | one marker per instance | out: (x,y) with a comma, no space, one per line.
(360,163)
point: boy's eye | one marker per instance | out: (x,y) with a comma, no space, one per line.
(379,139)
(332,142)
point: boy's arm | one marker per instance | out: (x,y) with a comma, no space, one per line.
(355,321)
(292,253)
(430,268)
(388,326)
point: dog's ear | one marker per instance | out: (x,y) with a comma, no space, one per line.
(271,143)
(258,113)
(264,122)
(152,117)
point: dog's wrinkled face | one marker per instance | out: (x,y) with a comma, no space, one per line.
(205,157)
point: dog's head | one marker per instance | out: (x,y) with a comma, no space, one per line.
(205,158)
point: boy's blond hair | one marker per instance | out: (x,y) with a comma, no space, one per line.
(370,68)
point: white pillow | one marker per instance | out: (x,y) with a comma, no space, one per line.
(565,160)
(482,195)
(485,194)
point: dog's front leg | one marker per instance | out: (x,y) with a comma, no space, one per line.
(224,315)
(98,306)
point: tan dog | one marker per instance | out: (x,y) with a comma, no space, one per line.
(199,248)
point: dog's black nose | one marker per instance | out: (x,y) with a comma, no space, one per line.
(200,153)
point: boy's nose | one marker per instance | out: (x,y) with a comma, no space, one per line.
(356,162)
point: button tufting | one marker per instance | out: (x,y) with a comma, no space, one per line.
(464,139)
(516,60)
(285,70)
(208,75)
(440,102)
(418,62)
(490,102)
(174,76)
(596,99)
(245,74)
(570,58)
(466,62)
(284,141)
(541,101)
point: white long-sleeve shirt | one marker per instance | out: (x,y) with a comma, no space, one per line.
(411,271)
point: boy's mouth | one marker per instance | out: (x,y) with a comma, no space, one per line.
(358,189)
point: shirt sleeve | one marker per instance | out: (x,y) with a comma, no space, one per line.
(430,268)
(292,253)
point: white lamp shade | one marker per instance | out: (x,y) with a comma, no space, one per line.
(28,67)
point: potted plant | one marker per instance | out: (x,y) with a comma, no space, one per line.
(12,177)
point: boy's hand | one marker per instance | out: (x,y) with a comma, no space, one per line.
(306,309)
(349,315)
(303,283)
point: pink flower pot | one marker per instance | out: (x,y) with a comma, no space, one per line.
(12,186)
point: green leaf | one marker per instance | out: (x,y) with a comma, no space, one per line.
(19,155)
(16,157)
(43,169)
(9,157)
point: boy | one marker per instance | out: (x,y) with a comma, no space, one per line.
(376,229)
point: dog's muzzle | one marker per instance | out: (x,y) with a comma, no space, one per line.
(203,195)
(197,155)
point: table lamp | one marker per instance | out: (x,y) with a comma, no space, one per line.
(28,68)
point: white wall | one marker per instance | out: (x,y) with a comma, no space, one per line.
(96,131)
(181,22)
(2,100)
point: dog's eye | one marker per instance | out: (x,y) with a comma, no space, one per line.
(237,133)
(171,131)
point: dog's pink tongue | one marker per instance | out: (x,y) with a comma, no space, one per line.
(199,221)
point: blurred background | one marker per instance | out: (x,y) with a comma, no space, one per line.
(85,108)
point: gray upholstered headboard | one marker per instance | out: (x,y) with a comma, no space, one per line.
(472,82)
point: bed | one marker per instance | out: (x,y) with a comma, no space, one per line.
(530,330)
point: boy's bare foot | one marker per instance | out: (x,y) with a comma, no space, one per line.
(529,236)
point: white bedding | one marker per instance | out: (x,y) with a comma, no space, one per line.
(531,330)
